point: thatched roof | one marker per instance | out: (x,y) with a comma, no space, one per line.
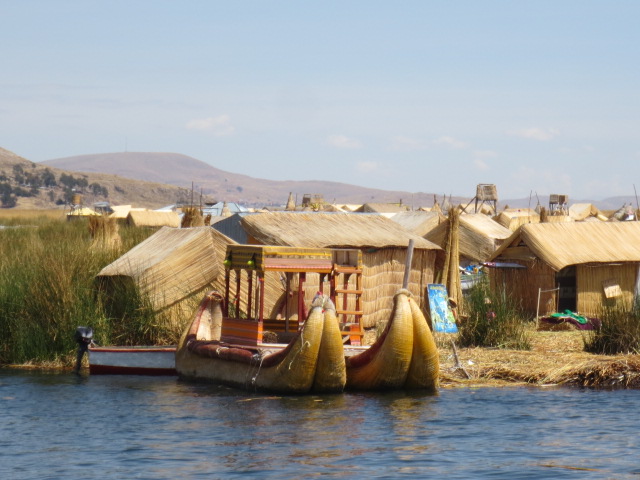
(153,218)
(581,211)
(383,208)
(339,230)
(574,243)
(172,263)
(419,222)
(514,218)
(479,236)
(82,212)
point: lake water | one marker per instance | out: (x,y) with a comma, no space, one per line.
(63,426)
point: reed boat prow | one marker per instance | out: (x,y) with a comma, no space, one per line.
(404,356)
(385,364)
(281,368)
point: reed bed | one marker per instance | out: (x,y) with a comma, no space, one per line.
(492,319)
(619,331)
(46,288)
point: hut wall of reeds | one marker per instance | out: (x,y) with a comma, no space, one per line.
(600,285)
(171,268)
(383,244)
(153,218)
(606,256)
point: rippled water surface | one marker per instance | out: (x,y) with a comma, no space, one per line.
(55,426)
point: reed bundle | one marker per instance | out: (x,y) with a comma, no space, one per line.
(104,233)
(192,217)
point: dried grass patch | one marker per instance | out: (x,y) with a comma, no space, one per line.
(555,358)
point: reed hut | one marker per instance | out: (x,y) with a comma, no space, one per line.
(383,208)
(581,212)
(153,218)
(579,266)
(479,237)
(514,218)
(171,268)
(383,244)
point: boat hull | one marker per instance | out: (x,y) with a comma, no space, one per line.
(132,360)
(275,368)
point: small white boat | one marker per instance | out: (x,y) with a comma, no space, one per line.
(133,360)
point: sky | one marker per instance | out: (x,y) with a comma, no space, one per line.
(536,97)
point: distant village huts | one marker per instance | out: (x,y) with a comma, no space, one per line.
(153,218)
(590,263)
(387,209)
(515,218)
(383,244)
(585,212)
(171,268)
(478,237)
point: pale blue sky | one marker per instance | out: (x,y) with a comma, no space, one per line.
(432,96)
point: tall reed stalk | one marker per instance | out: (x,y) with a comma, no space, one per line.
(47,271)
(619,331)
(493,320)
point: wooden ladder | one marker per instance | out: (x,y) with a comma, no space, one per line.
(351,321)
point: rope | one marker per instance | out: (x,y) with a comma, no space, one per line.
(304,343)
(255,378)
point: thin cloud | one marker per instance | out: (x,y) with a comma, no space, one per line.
(480,164)
(450,142)
(342,141)
(219,126)
(406,144)
(367,167)
(536,133)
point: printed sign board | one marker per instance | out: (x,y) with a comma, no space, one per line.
(441,315)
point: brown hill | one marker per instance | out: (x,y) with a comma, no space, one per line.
(181,170)
(120,190)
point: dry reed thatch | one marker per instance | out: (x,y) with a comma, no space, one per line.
(337,230)
(451,270)
(515,218)
(582,211)
(171,267)
(382,241)
(192,217)
(479,236)
(152,218)
(104,233)
(419,222)
(563,244)
(556,358)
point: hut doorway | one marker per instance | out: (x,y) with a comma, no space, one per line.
(566,281)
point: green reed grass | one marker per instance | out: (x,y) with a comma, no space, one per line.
(619,331)
(47,272)
(493,320)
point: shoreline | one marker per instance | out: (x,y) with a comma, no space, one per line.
(556,359)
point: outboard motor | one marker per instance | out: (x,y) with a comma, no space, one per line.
(84,338)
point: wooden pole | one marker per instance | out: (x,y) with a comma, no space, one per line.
(407,264)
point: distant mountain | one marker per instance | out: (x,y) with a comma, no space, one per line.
(20,182)
(183,171)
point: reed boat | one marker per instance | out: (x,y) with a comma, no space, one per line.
(289,368)
(404,356)
(231,341)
